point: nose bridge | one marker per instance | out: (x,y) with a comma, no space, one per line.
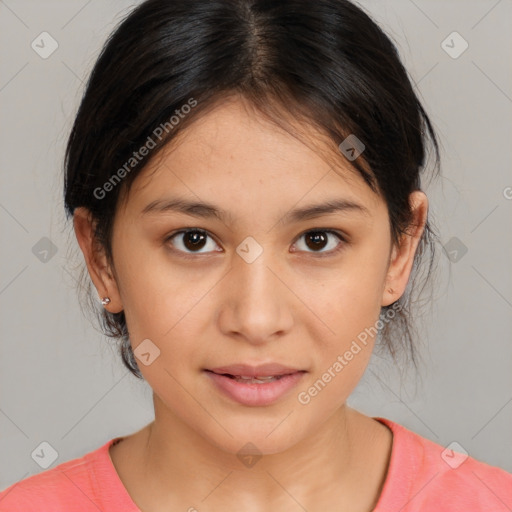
(253,276)
(256,307)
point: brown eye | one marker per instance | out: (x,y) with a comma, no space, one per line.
(317,240)
(192,241)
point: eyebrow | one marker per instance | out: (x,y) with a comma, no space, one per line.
(207,210)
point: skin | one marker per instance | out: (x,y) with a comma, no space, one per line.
(289,306)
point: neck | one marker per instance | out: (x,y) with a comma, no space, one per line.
(329,467)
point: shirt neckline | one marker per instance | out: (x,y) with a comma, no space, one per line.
(401,463)
(109,482)
(402,467)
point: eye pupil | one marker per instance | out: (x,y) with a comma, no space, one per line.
(317,237)
(194,239)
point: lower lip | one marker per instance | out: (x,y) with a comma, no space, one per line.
(255,394)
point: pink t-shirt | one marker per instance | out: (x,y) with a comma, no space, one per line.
(422,477)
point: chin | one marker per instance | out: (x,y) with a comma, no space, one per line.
(250,438)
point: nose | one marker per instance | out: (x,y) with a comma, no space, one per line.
(256,303)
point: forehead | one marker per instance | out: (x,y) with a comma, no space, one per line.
(237,156)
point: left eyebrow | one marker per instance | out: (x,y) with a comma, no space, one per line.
(208,210)
(317,210)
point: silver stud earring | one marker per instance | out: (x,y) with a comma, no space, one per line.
(105,301)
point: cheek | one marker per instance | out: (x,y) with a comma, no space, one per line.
(156,293)
(350,306)
(351,311)
(351,300)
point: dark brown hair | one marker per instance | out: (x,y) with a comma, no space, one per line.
(325,62)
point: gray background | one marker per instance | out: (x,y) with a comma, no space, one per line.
(60,380)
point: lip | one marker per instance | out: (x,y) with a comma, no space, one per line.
(274,369)
(256,394)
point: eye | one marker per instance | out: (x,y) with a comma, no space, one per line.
(192,240)
(318,239)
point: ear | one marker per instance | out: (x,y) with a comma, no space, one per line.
(402,255)
(101,274)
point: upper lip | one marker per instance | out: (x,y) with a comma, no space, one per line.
(269,369)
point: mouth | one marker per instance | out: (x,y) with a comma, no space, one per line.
(255,385)
(259,379)
(262,372)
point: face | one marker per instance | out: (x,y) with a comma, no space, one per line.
(256,283)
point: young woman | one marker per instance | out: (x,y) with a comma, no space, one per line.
(244,182)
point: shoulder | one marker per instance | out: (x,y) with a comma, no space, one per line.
(72,485)
(425,476)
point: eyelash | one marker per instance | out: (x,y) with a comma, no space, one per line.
(326,254)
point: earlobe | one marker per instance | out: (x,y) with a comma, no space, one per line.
(96,260)
(391,294)
(402,254)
